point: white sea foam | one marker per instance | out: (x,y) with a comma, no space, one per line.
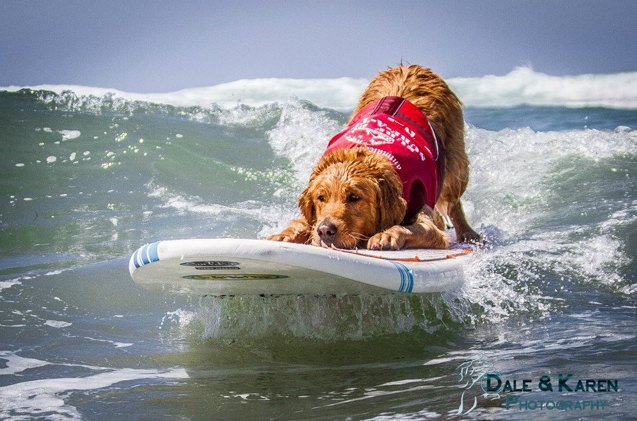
(337,93)
(522,85)
(181,318)
(518,182)
(69,134)
(58,324)
(301,135)
(9,283)
(46,397)
(184,204)
(272,218)
(515,171)
(17,364)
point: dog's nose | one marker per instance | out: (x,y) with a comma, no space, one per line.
(327,231)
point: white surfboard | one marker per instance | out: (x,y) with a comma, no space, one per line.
(252,267)
(222,267)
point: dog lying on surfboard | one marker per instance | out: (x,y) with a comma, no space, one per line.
(396,173)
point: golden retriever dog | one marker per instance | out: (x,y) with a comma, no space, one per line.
(394,177)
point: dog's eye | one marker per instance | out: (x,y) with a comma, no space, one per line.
(321,198)
(353,198)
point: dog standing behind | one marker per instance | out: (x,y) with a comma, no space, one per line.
(358,196)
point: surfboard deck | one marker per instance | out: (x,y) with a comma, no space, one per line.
(223,267)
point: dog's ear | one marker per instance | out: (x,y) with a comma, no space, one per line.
(306,205)
(392,206)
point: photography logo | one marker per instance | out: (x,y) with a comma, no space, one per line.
(550,391)
(479,376)
(491,383)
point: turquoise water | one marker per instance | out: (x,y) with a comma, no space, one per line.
(88,179)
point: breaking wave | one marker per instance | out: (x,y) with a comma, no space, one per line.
(521,86)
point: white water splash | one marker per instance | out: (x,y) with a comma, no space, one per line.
(301,135)
(46,397)
(69,134)
(524,86)
(521,86)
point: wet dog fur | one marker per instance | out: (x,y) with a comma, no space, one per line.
(354,196)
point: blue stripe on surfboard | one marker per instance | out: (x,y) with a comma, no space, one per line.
(410,279)
(406,278)
(146,254)
(136,258)
(152,252)
(402,278)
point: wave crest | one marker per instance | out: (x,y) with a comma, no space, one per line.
(521,86)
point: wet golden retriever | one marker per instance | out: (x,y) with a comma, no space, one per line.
(355,196)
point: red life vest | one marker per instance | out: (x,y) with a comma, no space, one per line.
(397,129)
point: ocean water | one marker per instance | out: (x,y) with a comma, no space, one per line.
(88,175)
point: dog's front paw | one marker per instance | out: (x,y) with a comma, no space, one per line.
(281,237)
(470,236)
(295,233)
(391,239)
